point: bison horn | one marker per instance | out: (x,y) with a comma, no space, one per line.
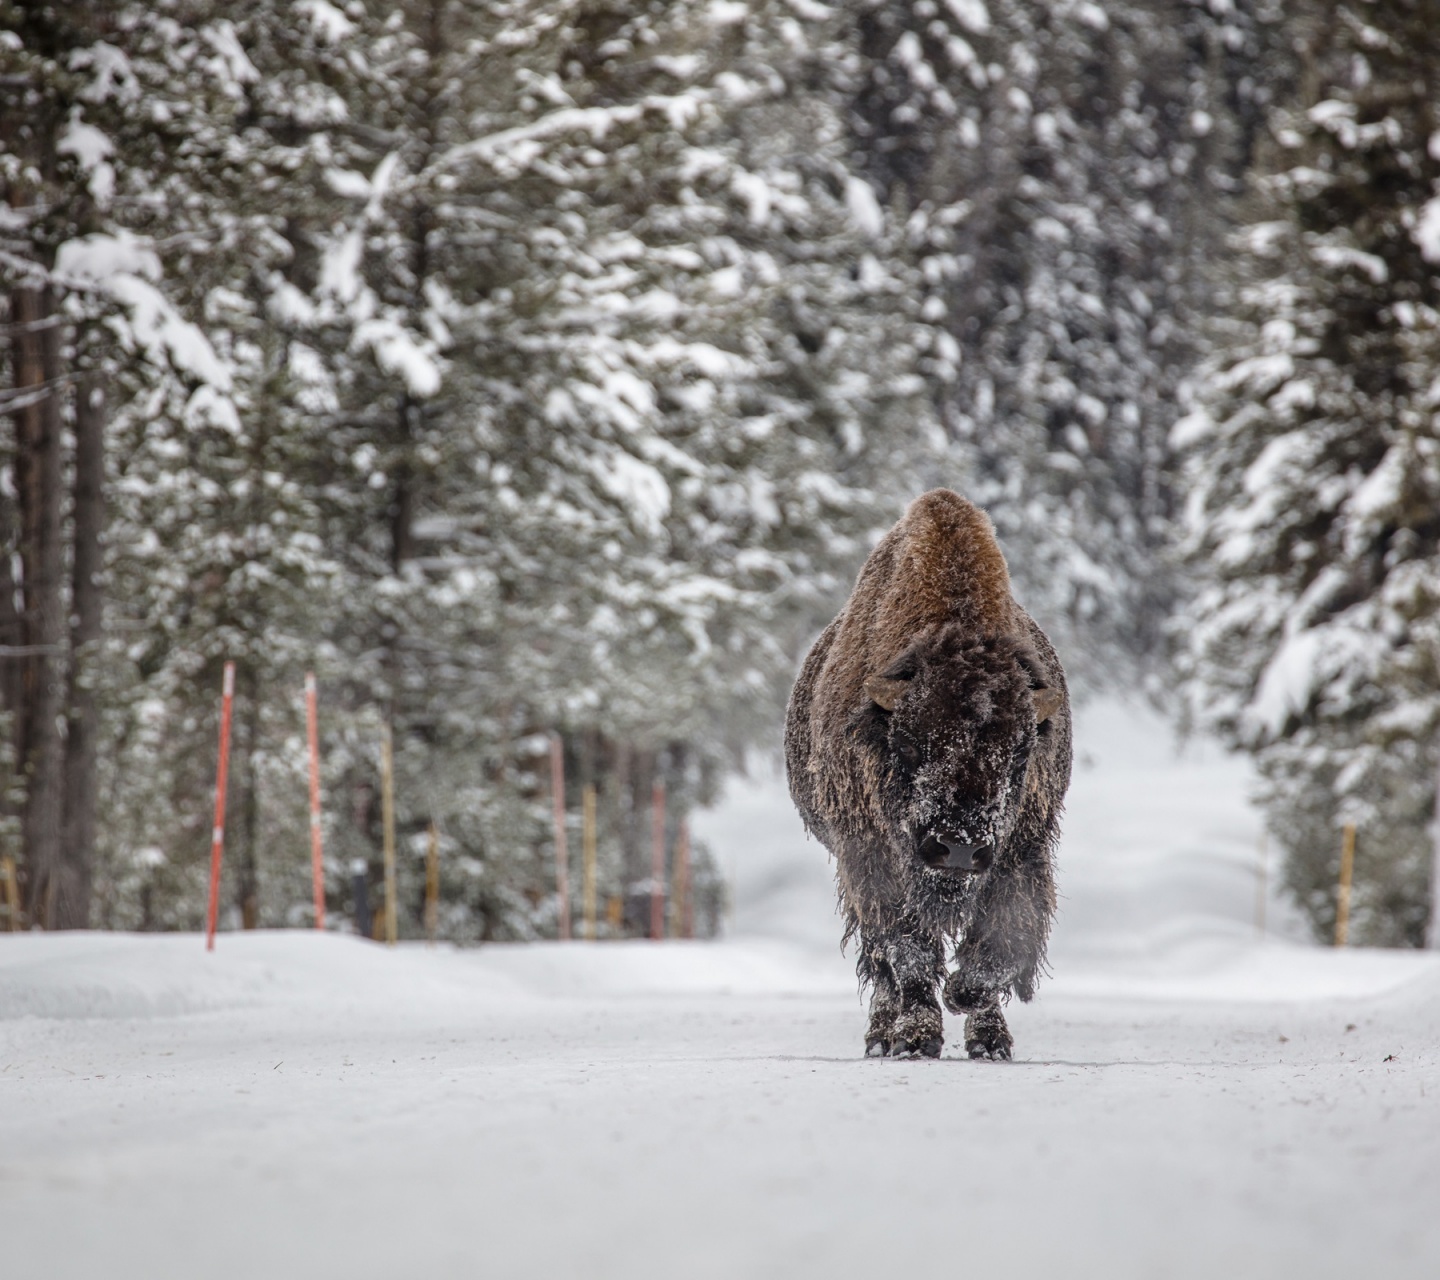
(1047,703)
(884,692)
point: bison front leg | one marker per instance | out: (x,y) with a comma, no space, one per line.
(1003,949)
(876,973)
(986,1035)
(916,959)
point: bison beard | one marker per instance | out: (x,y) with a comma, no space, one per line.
(928,748)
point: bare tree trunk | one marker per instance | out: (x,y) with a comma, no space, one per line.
(38,483)
(410,419)
(87,609)
(12,629)
(402,499)
(12,682)
(621,811)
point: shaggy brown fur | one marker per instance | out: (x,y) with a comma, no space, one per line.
(928,748)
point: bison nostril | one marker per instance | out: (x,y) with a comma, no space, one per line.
(933,851)
(960,855)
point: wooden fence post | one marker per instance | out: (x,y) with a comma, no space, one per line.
(682,910)
(1432,939)
(562,849)
(1347,871)
(217,832)
(11,884)
(657,861)
(359,882)
(317,840)
(588,837)
(432,882)
(387,808)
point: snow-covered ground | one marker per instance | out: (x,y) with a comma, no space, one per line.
(1188,1098)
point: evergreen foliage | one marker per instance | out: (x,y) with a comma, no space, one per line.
(508,364)
(1059,167)
(532,367)
(1314,479)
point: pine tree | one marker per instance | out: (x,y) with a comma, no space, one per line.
(541,366)
(519,368)
(632,371)
(1314,640)
(1060,169)
(213,529)
(58,184)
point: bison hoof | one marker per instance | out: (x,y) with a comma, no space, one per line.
(877,1048)
(917,1049)
(918,1029)
(996,1052)
(987,1036)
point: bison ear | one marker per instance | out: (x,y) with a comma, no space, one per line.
(884,691)
(1047,703)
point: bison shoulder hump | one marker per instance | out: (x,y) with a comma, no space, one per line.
(952,564)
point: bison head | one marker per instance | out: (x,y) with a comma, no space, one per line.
(951,724)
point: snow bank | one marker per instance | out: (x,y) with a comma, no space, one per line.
(748,967)
(117,976)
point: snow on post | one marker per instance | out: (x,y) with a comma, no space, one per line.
(657,869)
(317,849)
(562,852)
(387,806)
(588,838)
(217,835)
(1347,870)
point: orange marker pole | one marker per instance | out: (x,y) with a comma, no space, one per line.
(657,868)
(317,846)
(562,850)
(217,837)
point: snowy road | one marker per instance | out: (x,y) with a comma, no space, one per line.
(1188,1101)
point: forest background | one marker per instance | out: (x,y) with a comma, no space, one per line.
(527,367)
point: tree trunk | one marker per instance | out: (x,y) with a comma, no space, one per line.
(247,877)
(621,815)
(402,499)
(38,484)
(12,683)
(87,607)
(12,664)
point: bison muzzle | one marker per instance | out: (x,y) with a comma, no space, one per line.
(928,748)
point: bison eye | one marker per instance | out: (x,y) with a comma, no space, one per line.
(908,752)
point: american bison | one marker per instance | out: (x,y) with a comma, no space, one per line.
(928,748)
